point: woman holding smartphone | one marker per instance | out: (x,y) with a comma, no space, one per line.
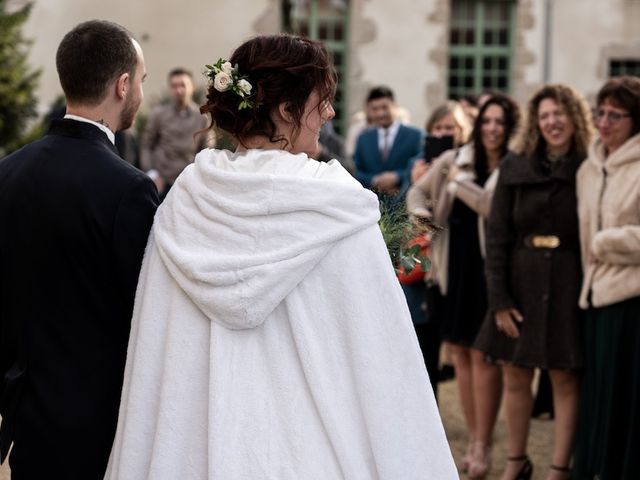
(455,194)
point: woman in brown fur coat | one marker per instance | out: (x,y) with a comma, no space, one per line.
(534,272)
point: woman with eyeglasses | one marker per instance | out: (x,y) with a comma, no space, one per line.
(534,273)
(608,186)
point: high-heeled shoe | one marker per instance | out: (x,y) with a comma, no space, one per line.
(480,463)
(464,464)
(564,471)
(526,470)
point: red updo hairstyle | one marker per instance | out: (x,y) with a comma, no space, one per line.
(281,68)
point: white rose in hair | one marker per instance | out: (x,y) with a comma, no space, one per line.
(244,86)
(222,81)
(227,68)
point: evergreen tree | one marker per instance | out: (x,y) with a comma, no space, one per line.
(17,81)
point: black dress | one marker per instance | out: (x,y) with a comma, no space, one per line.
(466,300)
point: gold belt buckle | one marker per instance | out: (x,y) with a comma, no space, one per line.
(545,241)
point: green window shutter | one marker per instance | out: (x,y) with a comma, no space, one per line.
(624,66)
(481,46)
(326,21)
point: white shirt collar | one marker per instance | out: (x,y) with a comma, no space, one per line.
(391,135)
(110,134)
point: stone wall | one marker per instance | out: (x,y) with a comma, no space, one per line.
(400,43)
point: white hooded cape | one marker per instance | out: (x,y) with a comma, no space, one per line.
(270,338)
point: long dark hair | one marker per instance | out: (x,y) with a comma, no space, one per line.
(511,112)
(282,69)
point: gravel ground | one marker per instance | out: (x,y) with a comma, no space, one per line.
(540,436)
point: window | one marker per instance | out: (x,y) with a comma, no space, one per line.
(625,66)
(480,46)
(326,21)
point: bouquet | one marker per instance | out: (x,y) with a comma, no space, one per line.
(407,241)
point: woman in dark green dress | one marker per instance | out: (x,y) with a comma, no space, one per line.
(608,186)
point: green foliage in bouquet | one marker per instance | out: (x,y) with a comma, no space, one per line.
(398,230)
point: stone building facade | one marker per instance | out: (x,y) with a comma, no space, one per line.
(426,50)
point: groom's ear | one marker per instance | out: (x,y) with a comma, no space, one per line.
(122,86)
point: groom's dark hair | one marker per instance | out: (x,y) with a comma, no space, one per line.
(91,56)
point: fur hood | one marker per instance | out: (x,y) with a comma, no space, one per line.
(238,232)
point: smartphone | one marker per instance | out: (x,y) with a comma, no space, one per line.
(434,146)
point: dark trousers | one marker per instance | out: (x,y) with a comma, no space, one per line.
(429,335)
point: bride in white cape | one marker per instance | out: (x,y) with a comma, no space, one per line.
(270,338)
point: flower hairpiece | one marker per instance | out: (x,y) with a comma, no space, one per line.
(226,77)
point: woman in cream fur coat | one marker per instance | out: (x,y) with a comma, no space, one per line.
(608,188)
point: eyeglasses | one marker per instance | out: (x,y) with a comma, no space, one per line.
(613,117)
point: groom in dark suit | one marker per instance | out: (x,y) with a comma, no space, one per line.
(383,151)
(74,222)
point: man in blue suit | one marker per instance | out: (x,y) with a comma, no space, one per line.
(383,151)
